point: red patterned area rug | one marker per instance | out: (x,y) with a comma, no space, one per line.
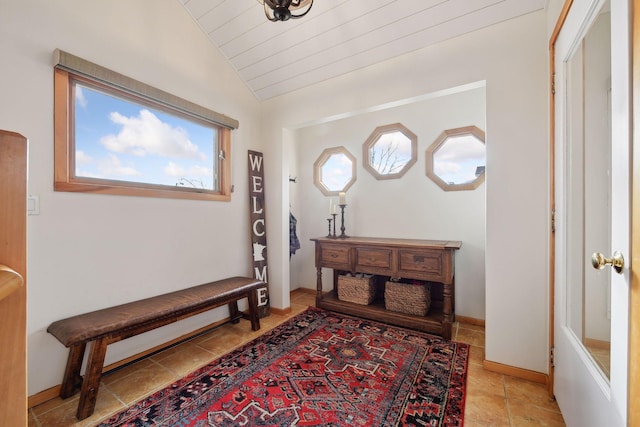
(319,369)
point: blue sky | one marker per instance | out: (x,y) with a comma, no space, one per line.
(121,140)
(336,172)
(456,160)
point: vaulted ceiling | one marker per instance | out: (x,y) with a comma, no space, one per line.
(336,36)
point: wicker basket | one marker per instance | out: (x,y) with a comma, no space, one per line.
(409,298)
(358,290)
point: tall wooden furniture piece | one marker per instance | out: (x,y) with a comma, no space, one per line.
(429,260)
(13,270)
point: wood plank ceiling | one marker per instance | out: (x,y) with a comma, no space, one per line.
(337,36)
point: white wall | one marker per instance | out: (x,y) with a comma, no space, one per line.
(410,207)
(512,58)
(92,251)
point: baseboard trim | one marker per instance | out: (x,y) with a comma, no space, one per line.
(44,396)
(525,374)
(305,291)
(470,320)
(280,311)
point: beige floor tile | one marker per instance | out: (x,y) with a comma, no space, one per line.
(223,340)
(183,359)
(527,414)
(481,381)
(125,371)
(520,390)
(48,406)
(476,355)
(483,410)
(470,336)
(64,415)
(140,382)
(469,326)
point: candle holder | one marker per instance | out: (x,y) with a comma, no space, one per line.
(334,225)
(329,223)
(342,234)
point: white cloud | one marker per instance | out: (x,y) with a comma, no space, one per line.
(147,134)
(200,171)
(175,170)
(460,148)
(83,158)
(446,168)
(112,167)
(80,99)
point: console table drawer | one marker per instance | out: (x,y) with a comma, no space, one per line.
(374,259)
(427,264)
(335,256)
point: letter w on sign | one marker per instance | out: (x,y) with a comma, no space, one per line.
(258,228)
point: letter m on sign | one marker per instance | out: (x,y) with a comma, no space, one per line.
(258,229)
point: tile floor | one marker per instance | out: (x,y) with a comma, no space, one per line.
(492,399)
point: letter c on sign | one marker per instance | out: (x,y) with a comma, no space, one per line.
(255,227)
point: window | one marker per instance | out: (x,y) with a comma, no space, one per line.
(114,135)
(456,159)
(334,171)
(390,151)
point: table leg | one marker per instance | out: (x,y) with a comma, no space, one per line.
(92,375)
(447,306)
(72,379)
(234,313)
(254,314)
(318,286)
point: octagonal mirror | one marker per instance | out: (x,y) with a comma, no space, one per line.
(390,151)
(457,158)
(334,171)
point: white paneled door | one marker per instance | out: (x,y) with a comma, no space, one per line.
(591,61)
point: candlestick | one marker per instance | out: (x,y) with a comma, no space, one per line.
(342,235)
(329,223)
(334,224)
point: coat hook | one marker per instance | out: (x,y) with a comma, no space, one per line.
(294,179)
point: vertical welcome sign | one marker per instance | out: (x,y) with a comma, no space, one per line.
(258,228)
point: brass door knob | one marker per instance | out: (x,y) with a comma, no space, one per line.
(599,261)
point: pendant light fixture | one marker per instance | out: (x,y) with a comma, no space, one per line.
(282,10)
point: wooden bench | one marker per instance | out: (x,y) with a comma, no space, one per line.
(103,327)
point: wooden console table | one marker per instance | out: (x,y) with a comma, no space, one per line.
(429,260)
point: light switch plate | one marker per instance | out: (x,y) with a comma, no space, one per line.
(33,205)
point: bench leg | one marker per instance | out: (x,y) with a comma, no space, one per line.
(254,315)
(234,313)
(92,375)
(72,379)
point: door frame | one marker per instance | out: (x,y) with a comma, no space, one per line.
(13,301)
(633,379)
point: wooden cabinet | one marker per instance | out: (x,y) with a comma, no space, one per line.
(429,260)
